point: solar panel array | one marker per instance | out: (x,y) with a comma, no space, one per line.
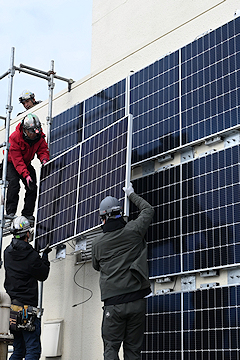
(180,100)
(193,325)
(73,185)
(197,213)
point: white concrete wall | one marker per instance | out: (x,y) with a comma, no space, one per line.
(126,35)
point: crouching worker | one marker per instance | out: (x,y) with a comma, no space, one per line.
(23,268)
(120,254)
(26,141)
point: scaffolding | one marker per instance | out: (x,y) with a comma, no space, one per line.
(49,76)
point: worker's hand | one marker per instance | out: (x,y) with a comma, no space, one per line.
(46,250)
(44,161)
(128,190)
(29,180)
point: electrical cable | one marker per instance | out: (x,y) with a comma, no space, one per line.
(175,282)
(82,287)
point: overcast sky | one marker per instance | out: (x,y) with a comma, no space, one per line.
(41,31)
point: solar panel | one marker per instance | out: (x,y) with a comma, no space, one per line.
(210,82)
(73,184)
(197,213)
(154,103)
(193,325)
(88,117)
(187,95)
(66,130)
(162,191)
(104,108)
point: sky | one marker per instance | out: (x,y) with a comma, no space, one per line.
(41,31)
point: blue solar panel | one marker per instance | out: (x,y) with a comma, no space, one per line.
(66,130)
(210,82)
(197,213)
(104,108)
(193,325)
(187,95)
(154,103)
(56,204)
(73,184)
(102,173)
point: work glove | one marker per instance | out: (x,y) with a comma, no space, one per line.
(29,180)
(128,190)
(44,161)
(46,250)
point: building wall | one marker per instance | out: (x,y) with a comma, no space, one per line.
(126,36)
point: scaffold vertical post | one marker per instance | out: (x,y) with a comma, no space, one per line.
(50,101)
(6,148)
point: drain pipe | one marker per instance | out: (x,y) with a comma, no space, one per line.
(5,336)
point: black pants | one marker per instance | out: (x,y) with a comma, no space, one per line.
(13,179)
(124,323)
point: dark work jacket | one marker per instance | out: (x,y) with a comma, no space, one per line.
(23,268)
(121,255)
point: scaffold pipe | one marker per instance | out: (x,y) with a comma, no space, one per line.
(4,172)
(5,336)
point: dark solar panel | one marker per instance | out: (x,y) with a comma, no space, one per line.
(66,130)
(104,108)
(210,80)
(154,103)
(193,325)
(73,184)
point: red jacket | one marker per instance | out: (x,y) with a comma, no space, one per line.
(21,153)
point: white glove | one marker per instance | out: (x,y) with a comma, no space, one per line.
(128,190)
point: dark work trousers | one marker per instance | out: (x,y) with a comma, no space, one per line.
(27,344)
(123,323)
(13,179)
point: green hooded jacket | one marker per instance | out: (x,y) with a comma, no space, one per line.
(121,255)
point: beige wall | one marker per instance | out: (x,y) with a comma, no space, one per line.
(126,35)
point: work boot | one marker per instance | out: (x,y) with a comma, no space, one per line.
(30,218)
(10,216)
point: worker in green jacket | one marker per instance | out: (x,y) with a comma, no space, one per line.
(120,255)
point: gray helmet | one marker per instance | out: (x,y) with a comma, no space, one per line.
(110,207)
(31,123)
(25,95)
(20,226)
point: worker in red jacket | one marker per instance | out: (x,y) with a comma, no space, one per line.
(26,141)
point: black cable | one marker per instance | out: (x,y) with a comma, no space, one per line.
(71,245)
(175,282)
(82,287)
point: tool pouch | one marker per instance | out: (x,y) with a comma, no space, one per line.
(22,318)
(14,320)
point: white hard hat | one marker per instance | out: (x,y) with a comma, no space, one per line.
(20,226)
(25,95)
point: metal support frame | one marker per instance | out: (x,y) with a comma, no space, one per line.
(46,75)
(49,76)
(11,73)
